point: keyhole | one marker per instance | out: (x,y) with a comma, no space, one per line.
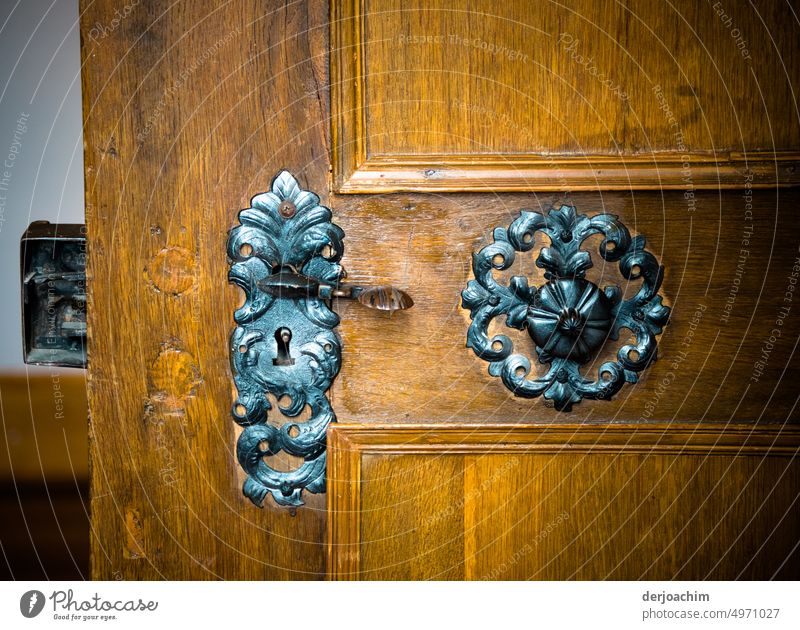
(283,336)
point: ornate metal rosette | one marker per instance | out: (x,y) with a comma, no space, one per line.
(285,229)
(568,318)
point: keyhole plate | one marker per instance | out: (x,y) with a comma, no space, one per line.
(281,346)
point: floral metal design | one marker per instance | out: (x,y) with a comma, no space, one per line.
(568,318)
(285,229)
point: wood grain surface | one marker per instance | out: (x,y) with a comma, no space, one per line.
(190,109)
(570,502)
(725,306)
(572,95)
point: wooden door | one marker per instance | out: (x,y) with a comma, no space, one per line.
(424,126)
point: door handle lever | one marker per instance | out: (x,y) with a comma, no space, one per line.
(290,284)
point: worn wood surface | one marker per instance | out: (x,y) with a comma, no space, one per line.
(414,365)
(190,109)
(579,95)
(570,502)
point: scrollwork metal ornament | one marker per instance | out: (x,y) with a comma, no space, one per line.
(284,345)
(568,318)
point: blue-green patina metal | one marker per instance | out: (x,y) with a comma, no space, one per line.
(284,345)
(568,318)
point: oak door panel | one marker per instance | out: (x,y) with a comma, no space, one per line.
(581,95)
(190,109)
(731,266)
(566,502)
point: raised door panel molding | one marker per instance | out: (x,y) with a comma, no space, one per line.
(582,96)
(576,501)
(729,261)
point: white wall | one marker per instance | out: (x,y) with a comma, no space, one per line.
(40,78)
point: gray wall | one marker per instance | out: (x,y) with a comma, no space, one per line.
(41,157)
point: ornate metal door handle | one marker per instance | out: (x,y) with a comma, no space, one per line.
(285,256)
(568,318)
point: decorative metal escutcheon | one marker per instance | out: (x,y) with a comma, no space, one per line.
(568,318)
(285,256)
